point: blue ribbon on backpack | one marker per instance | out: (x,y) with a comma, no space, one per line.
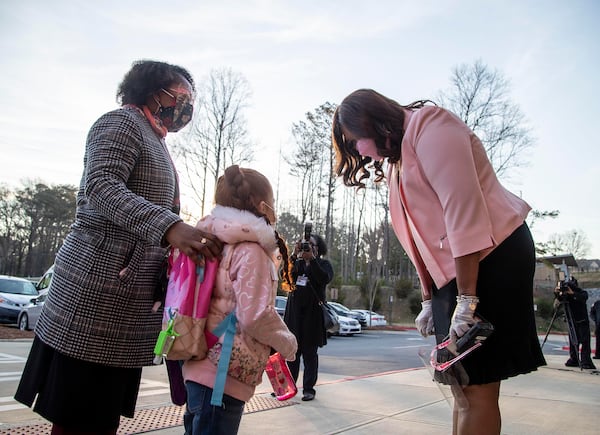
(200,274)
(227,327)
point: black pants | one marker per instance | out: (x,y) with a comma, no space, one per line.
(311,367)
(582,330)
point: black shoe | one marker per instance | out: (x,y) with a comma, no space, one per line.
(596,357)
(308,396)
(588,365)
(273,395)
(571,363)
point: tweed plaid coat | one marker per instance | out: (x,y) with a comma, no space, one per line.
(99,308)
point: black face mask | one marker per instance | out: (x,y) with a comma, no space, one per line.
(174,118)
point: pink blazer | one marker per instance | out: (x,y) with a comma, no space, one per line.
(445,199)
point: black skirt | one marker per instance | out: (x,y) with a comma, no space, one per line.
(76,394)
(505,291)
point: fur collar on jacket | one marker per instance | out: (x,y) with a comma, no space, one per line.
(232,225)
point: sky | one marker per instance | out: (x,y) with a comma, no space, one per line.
(61,62)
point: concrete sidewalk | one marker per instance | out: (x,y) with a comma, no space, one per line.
(553,400)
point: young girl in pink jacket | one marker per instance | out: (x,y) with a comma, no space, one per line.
(246,284)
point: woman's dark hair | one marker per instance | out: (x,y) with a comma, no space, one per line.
(321,245)
(148,76)
(366,113)
(244,189)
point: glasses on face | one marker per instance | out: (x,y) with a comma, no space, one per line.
(179,91)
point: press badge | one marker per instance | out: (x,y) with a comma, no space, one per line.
(302,280)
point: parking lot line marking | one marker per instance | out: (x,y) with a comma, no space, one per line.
(11,378)
(408,347)
(154,392)
(5,408)
(151,383)
(8,358)
(6,399)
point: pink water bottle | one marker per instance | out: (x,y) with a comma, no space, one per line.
(280,377)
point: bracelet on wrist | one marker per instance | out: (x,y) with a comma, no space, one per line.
(470,298)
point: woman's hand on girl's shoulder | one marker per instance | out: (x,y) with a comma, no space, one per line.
(193,242)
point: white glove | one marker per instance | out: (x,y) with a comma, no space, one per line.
(463,317)
(424,320)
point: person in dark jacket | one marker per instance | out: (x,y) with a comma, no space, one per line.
(303,315)
(101,319)
(576,297)
(595,315)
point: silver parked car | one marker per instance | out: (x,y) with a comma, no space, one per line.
(348,325)
(43,285)
(345,311)
(281,302)
(373,318)
(20,302)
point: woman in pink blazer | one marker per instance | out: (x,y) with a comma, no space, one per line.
(464,232)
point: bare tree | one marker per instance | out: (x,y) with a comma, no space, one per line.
(480,96)
(289,227)
(312,162)
(541,248)
(320,122)
(218,136)
(570,242)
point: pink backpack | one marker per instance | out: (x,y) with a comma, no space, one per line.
(187,301)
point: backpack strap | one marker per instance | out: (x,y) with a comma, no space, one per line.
(227,327)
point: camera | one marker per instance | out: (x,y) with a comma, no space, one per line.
(561,291)
(563,287)
(305,245)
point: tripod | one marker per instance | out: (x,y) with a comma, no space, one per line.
(573,340)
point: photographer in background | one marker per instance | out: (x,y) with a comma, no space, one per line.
(303,315)
(571,293)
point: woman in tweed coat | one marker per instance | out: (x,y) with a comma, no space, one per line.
(100,323)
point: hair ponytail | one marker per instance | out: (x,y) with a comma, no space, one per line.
(287,283)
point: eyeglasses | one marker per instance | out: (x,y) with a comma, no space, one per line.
(179,91)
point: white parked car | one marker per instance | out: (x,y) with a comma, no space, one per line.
(20,302)
(343,310)
(347,329)
(348,326)
(43,285)
(373,318)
